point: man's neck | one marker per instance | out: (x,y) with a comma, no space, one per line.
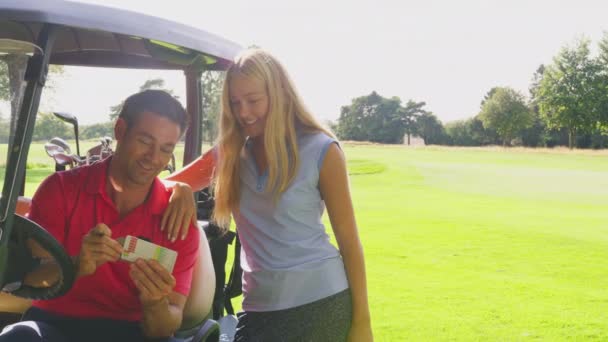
(125,194)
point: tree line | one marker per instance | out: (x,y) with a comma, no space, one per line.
(567,105)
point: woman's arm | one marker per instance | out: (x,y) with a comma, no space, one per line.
(197,174)
(182,209)
(333,183)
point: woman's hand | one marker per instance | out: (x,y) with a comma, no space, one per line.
(180,212)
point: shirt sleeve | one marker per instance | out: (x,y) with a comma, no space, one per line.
(48,207)
(187,253)
(324,148)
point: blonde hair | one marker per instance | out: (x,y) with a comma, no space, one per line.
(286,112)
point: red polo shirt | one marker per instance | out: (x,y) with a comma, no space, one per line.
(69,204)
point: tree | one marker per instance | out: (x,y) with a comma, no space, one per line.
(539,134)
(388,124)
(481,135)
(569,95)
(379,119)
(98,130)
(459,133)
(469,132)
(533,135)
(155,83)
(430,128)
(211,89)
(506,112)
(12,77)
(408,117)
(12,74)
(332,125)
(48,126)
(352,120)
(488,95)
(537,78)
(603,85)
(603,47)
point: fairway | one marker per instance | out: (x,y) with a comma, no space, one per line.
(478,244)
(484,244)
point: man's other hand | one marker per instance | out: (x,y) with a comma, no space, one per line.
(98,247)
(152,280)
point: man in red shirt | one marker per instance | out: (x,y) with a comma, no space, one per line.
(87,209)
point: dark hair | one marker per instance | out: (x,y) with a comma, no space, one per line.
(156,101)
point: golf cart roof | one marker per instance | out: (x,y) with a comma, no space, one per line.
(93,35)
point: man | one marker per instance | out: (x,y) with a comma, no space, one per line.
(87,209)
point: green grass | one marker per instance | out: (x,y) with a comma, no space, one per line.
(475,245)
(480,244)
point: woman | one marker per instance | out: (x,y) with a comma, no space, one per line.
(277,170)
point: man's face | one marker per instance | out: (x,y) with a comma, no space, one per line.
(145,148)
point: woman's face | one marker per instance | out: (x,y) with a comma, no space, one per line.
(249,103)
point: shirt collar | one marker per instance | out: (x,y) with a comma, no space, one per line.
(98,174)
(96,184)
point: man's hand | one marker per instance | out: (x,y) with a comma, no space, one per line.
(98,247)
(180,212)
(152,280)
(162,308)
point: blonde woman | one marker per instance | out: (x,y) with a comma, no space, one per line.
(276,169)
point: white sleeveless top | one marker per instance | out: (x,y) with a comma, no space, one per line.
(286,255)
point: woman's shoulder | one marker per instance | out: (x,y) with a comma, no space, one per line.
(314,145)
(316,137)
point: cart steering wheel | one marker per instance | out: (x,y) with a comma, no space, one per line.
(21,261)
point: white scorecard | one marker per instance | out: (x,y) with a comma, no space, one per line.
(134,248)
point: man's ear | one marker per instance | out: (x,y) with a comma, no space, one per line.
(120,129)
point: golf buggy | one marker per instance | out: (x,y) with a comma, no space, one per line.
(76,34)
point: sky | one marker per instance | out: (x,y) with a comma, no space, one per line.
(445,53)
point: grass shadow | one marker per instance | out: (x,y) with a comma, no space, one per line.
(364,167)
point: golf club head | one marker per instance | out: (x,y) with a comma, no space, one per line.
(62,159)
(61,143)
(52,149)
(67,117)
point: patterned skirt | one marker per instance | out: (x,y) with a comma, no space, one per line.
(327,319)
